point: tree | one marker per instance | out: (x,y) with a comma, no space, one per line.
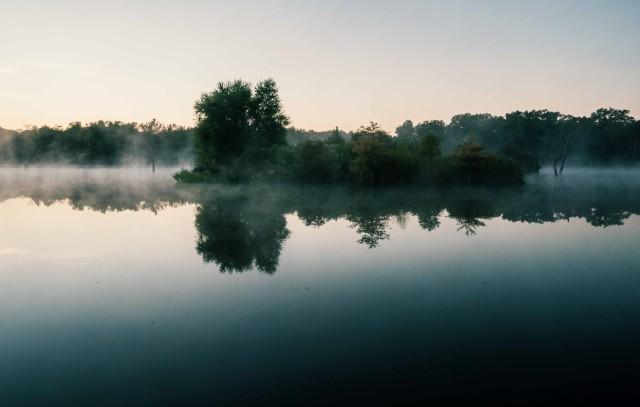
(268,120)
(235,121)
(222,131)
(376,161)
(484,127)
(636,141)
(533,133)
(430,146)
(475,165)
(335,137)
(612,135)
(151,133)
(436,127)
(405,131)
(315,163)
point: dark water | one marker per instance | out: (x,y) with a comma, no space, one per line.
(117,288)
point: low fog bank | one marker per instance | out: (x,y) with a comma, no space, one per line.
(591,175)
(111,143)
(578,192)
(242,227)
(98,188)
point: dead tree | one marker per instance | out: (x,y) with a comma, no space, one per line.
(565,153)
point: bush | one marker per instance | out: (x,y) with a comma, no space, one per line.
(378,162)
(528,162)
(472,165)
(193,177)
(315,163)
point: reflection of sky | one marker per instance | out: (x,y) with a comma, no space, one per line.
(122,299)
(338,63)
(55,255)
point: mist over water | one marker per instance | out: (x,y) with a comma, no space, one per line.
(234,295)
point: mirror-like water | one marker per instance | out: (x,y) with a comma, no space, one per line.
(119,288)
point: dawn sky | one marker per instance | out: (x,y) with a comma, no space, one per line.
(338,63)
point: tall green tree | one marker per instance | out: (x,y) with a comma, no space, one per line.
(268,120)
(223,124)
(238,124)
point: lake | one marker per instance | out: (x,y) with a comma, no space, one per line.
(118,287)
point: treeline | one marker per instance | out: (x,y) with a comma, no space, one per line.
(241,136)
(531,138)
(297,136)
(98,143)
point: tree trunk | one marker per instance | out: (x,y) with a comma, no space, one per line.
(555,165)
(566,152)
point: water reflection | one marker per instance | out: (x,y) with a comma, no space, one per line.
(237,233)
(241,228)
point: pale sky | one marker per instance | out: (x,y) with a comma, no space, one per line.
(338,63)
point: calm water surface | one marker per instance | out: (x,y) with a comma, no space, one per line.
(119,288)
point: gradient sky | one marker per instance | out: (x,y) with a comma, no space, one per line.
(338,63)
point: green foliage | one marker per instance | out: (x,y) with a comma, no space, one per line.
(612,138)
(316,163)
(268,121)
(192,177)
(336,137)
(473,165)
(377,161)
(435,127)
(528,162)
(242,136)
(222,132)
(237,126)
(297,136)
(430,146)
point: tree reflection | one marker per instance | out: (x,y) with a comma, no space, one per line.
(468,212)
(428,219)
(372,229)
(603,218)
(237,236)
(241,228)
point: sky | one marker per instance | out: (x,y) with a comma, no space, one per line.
(337,63)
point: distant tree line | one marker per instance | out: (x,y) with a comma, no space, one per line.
(98,143)
(531,138)
(242,135)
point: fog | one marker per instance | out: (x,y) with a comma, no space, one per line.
(577,187)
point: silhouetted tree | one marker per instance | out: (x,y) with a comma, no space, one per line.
(405,132)
(238,127)
(430,146)
(222,132)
